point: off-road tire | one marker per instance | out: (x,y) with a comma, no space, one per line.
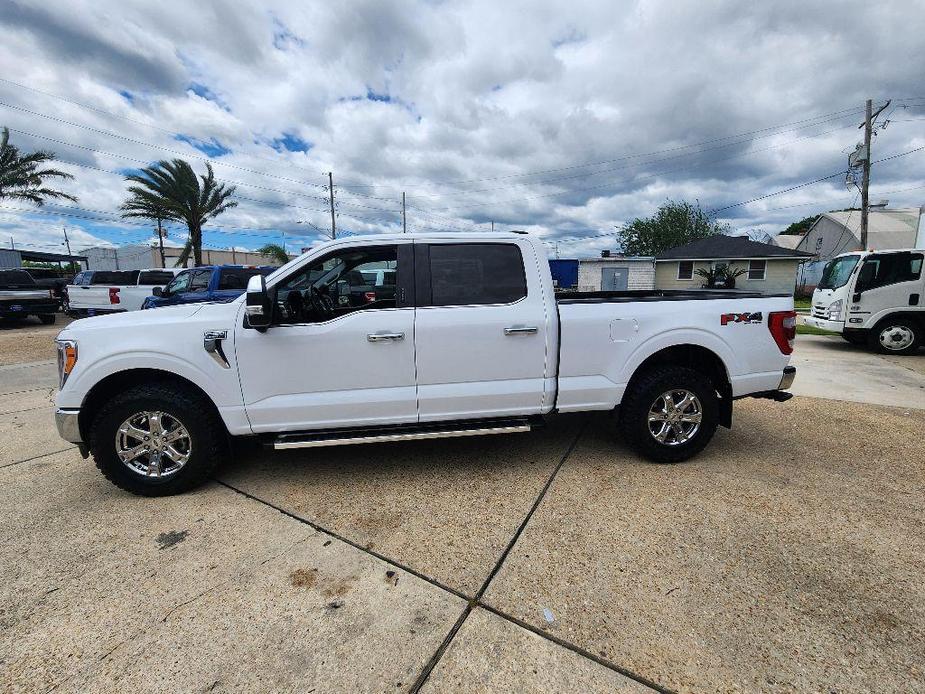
(642,394)
(207,436)
(873,337)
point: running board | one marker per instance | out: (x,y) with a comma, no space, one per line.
(445,430)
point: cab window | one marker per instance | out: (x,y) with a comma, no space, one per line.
(200,280)
(179,284)
(345,281)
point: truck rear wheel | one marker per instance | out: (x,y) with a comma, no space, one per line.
(47,318)
(669,413)
(895,336)
(157,440)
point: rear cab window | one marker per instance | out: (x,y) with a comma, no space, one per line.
(155,277)
(12,277)
(467,274)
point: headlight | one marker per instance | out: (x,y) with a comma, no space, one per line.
(835,310)
(67,359)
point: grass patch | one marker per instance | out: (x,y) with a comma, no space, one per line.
(803,303)
(812,330)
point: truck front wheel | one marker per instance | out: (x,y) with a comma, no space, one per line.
(669,413)
(157,440)
(895,336)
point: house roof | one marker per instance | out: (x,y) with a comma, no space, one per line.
(886,228)
(724,247)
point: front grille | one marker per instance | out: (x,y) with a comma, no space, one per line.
(820,312)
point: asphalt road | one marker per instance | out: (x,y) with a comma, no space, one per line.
(789,556)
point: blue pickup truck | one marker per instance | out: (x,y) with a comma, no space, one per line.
(207,283)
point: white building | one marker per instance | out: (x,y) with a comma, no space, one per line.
(142,256)
(616,273)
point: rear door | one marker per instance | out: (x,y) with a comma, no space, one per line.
(480,330)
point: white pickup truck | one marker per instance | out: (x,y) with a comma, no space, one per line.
(471,341)
(97,292)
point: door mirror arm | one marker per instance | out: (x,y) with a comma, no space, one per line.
(258,304)
(157,291)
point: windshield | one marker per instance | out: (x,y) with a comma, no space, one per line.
(836,272)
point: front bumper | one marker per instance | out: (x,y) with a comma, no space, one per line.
(68,425)
(835,326)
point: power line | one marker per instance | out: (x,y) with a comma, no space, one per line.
(217,162)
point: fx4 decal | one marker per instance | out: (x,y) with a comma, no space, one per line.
(746,317)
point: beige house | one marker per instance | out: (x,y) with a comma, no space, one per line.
(767,268)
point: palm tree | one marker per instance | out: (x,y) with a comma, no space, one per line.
(21,175)
(274,252)
(173,187)
(151,210)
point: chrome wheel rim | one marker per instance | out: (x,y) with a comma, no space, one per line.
(896,337)
(674,417)
(153,444)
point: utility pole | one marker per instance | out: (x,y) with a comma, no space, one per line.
(160,242)
(868,126)
(66,241)
(12,245)
(331,191)
(492,226)
(404,214)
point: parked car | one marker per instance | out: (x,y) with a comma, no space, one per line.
(21,296)
(114,292)
(474,341)
(208,283)
(874,298)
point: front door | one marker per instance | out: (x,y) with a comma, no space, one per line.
(888,281)
(481,332)
(614,279)
(339,354)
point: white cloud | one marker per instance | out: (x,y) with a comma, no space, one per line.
(453,102)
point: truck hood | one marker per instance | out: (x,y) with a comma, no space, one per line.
(142,320)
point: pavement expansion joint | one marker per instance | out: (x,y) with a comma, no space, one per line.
(473,602)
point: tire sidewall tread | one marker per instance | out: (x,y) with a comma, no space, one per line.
(192,409)
(634,411)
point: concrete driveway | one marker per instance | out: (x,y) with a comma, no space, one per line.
(790,556)
(829,367)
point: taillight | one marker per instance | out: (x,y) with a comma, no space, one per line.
(369,296)
(114,295)
(783,327)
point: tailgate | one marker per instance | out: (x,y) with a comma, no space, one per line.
(89,297)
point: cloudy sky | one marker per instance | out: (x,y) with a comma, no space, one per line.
(565,119)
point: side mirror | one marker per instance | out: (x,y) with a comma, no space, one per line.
(258,305)
(158,291)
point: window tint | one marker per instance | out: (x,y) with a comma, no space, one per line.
(155,277)
(200,280)
(686,270)
(236,278)
(756,269)
(889,268)
(11,277)
(353,279)
(114,277)
(476,273)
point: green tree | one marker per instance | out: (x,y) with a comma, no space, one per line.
(274,252)
(22,176)
(801,227)
(673,224)
(172,187)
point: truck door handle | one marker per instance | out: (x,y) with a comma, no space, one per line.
(385,337)
(521,330)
